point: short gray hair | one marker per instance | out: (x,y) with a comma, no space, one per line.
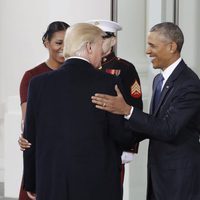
(171,32)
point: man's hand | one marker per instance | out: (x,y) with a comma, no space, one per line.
(113,104)
(31,195)
(23,143)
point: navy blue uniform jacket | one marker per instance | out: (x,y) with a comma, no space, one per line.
(76,148)
(174,133)
(130,81)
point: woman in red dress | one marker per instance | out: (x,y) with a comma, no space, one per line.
(53,41)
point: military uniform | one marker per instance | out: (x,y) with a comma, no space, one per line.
(120,67)
(130,82)
(127,73)
(128,76)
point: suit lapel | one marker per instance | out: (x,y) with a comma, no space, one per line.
(168,86)
(152,98)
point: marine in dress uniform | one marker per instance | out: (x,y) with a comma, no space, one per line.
(127,73)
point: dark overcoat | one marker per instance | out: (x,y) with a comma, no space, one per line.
(76,148)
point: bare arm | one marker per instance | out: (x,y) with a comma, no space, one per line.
(23,143)
(23,108)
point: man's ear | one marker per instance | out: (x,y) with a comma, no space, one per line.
(88,47)
(173,47)
(113,41)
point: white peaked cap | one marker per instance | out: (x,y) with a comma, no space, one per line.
(106,25)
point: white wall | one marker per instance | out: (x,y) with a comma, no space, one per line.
(22,24)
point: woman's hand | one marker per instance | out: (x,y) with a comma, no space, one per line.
(31,195)
(23,143)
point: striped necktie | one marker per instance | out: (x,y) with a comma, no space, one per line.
(158,84)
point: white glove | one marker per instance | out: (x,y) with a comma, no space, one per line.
(127,157)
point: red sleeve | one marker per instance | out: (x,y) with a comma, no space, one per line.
(24,86)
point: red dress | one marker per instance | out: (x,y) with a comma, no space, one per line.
(42,68)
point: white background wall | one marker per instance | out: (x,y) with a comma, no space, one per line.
(22,24)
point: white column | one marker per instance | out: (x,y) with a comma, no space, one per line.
(132,39)
(190,25)
(131,46)
(12,153)
(154,16)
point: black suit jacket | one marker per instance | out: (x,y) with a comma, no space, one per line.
(174,133)
(76,148)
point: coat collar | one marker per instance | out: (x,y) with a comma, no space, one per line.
(80,63)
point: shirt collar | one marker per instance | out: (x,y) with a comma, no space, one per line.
(168,71)
(78,57)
